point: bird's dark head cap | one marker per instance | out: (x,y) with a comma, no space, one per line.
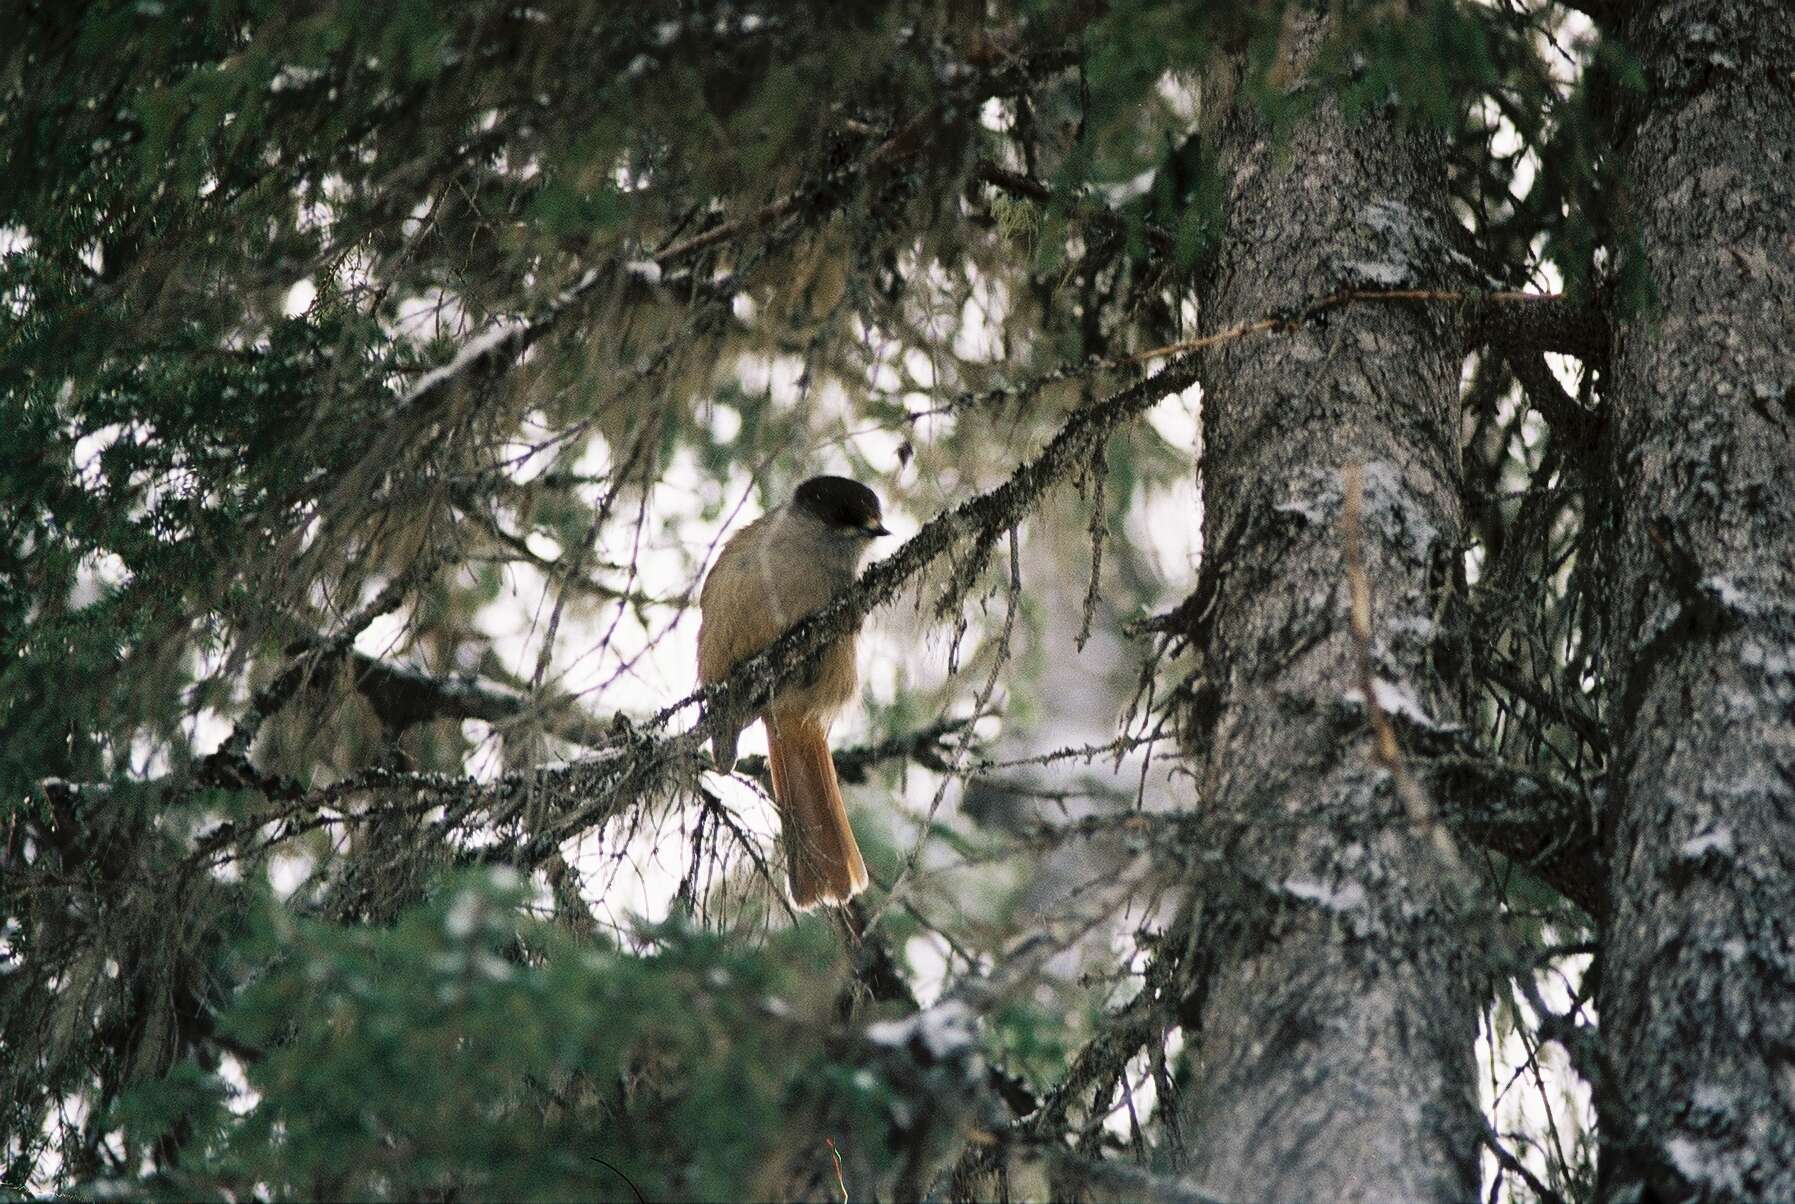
(842,504)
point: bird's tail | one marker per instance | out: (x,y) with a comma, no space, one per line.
(820,854)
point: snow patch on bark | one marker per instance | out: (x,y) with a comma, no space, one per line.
(1376,273)
(1717,841)
(1418,626)
(1395,699)
(1312,510)
(1340,899)
(945,1031)
(474,349)
(1695,1161)
(1736,598)
(1391,514)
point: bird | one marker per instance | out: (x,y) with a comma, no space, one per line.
(773,572)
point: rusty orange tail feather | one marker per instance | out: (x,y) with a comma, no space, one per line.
(821,856)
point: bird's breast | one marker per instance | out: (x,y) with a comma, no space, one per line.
(764,581)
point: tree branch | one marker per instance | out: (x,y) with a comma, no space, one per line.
(980,519)
(1569,420)
(1528,321)
(1109,1179)
(906,142)
(404,697)
(1017,184)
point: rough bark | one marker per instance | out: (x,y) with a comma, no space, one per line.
(1333,1034)
(1697,997)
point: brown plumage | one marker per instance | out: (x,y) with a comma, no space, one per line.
(770,574)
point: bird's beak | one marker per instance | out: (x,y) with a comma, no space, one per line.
(874,527)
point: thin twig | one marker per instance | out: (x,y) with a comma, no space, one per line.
(999,659)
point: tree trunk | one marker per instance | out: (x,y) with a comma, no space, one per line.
(1697,996)
(1334,1022)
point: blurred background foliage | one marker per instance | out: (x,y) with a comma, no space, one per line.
(378,380)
